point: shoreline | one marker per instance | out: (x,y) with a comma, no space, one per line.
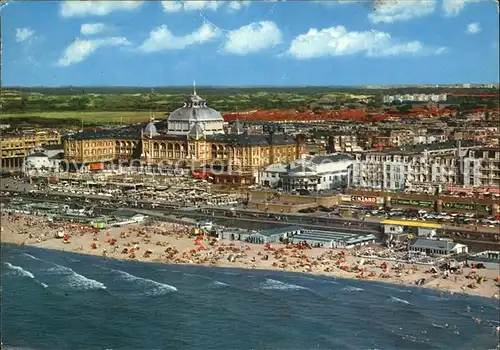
(272,269)
(170,244)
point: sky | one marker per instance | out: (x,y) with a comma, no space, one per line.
(249,43)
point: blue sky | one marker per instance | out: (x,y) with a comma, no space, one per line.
(242,43)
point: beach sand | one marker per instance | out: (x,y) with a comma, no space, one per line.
(171,243)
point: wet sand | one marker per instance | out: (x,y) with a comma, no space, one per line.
(171,243)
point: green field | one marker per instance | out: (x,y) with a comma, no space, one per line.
(75,117)
(31,103)
(72,107)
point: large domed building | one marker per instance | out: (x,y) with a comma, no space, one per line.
(195,115)
(192,136)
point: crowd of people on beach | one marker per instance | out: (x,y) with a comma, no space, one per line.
(180,244)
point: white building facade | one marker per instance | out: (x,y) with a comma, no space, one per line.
(312,173)
(481,168)
(415,97)
(271,175)
(41,160)
(318,173)
(400,168)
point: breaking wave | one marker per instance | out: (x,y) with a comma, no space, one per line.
(152,287)
(19,270)
(352,289)
(75,280)
(324,313)
(33,257)
(220,284)
(397,300)
(25,273)
(278,285)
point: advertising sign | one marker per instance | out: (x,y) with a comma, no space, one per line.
(363,199)
(345,198)
(465,206)
(460,206)
(413,202)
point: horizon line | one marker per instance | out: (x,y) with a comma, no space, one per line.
(244,86)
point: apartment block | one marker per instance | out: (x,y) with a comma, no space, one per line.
(411,166)
(481,168)
(15,146)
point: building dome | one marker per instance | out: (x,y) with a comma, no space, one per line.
(150,129)
(195,110)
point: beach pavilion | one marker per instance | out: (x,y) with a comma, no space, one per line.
(328,239)
(274,235)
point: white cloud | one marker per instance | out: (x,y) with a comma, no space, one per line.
(473,28)
(195,5)
(254,37)
(92,28)
(23,34)
(171,6)
(29,43)
(198,5)
(96,8)
(80,49)
(440,50)
(393,11)
(454,7)
(238,5)
(337,41)
(337,2)
(161,38)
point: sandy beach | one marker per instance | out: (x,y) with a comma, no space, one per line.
(173,243)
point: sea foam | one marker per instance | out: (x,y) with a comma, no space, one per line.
(33,257)
(152,288)
(219,284)
(398,300)
(74,279)
(278,285)
(352,289)
(19,270)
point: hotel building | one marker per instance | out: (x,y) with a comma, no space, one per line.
(410,167)
(15,146)
(192,136)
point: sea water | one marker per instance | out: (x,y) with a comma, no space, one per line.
(57,300)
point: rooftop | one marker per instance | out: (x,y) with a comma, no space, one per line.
(438,146)
(409,223)
(124,213)
(243,139)
(433,244)
(330,158)
(280,230)
(37,154)
(122,133)
(276,167)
